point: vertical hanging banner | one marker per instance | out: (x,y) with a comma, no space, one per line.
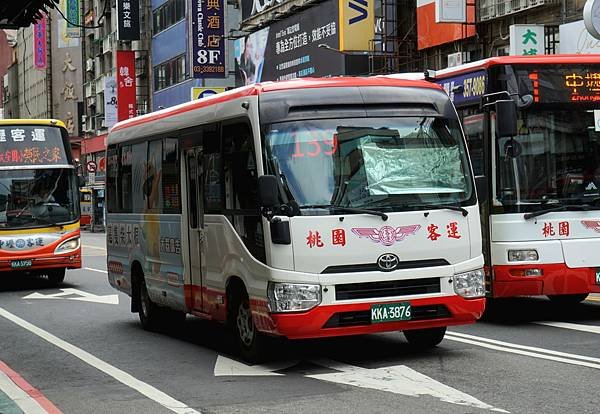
(110,101)
(128,19)
(39,44)
(208,39)
(126,90)
(73,20)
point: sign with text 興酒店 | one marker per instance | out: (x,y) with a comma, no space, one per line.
(208,38)
(128,20)
(527,40)
(126,90)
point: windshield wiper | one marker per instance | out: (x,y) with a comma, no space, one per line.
(563,207)
(452,207)
(45,221)
(383,216)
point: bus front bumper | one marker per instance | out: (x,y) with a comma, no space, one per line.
(71,260)
(555,279)
(355,319)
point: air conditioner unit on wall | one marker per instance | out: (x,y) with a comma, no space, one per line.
(458,58)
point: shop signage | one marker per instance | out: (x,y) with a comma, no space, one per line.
(208,38)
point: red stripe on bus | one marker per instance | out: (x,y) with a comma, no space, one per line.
(33,392)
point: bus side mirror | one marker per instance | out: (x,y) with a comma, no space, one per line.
(268,191)
(506,118)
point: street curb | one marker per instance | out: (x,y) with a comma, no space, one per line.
(29,389)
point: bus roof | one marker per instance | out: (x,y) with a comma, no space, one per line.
(261,88)
(25,121)
(517,60)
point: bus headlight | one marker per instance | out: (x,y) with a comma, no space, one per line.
(68,245)
(522,255)
(470,284)
(293,297)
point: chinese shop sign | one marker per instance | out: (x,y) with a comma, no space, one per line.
(31,145)
(128,20)
(527,40)
(126,102)
(208,41)
(39,44)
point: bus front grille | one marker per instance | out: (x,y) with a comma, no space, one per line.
(369,290)
(362,318)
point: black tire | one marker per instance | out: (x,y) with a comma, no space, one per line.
(568,300)
(153,317)
(251,343)
(56,276)
(423,339)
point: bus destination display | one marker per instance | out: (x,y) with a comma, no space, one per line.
(561,84)
(24,145)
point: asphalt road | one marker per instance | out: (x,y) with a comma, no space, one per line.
(86,353)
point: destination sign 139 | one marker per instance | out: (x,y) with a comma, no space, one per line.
(31,145)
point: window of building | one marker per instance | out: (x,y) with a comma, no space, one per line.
(173,11)
(169,73)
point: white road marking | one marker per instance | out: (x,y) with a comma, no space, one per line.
(84,246)
(230,367)
(27,404)
(82,296)
(397,379)
(531,351)
(573,326)
(123,377)
(96,270)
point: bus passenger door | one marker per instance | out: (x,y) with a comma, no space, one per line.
(195,219)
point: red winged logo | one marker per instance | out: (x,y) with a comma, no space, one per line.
(386,235)
(592,225)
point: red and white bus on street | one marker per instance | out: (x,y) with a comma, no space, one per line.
(39,200)
(303,209)
(541,217)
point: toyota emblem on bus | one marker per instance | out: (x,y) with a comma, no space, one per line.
(388,262)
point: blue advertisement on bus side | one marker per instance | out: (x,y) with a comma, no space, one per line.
(465,89)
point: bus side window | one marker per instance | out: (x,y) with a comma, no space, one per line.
(170,177)
(111,180)
(473,126)
(213,170)
(240,162)
(125,180)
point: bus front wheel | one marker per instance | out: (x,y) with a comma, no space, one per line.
(423,339)
(251,342)
(56,276)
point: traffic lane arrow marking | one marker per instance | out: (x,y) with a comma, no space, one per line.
(230,367)
(79,295)
(397,379)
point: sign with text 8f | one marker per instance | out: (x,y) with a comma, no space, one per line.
(208,38)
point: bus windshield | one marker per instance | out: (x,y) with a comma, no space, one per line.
(554,158)
(38,197)
(390,164)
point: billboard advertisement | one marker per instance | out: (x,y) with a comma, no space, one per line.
(357,24)
(304,44)
(110,101)
(208,39)
(430,33)
(126,90)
